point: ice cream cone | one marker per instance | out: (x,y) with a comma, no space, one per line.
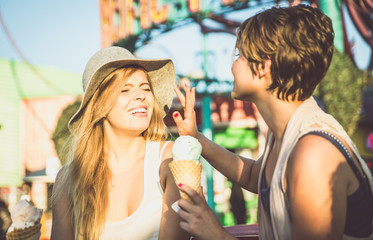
(187,172)
(29,233)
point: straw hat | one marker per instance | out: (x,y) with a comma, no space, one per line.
(107,60)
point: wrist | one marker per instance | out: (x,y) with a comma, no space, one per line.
(224,235)
(199,135)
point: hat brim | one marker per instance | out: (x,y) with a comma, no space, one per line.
(161,73)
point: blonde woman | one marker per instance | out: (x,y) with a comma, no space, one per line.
(117,184)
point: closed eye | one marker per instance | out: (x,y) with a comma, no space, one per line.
(143,86)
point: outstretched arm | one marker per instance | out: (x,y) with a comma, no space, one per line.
(241,170)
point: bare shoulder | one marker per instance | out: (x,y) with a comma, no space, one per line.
(60,190)
(166,157)
(59,178)
(61,173)
(316,161)
(313,152)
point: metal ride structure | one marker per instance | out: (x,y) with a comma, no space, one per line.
(361,12)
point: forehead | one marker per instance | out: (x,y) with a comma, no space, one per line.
(138,77)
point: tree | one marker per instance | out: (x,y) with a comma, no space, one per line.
(341,90)
(61,135)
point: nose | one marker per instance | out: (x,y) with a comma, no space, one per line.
(139,95)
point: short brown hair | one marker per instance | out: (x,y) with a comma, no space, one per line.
(299,42)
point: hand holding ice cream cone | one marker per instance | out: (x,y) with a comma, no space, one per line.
(185,166)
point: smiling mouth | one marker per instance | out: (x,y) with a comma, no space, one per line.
(138,110)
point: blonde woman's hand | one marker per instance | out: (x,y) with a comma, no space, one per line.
(188,124)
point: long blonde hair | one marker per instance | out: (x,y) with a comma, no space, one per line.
(87,174)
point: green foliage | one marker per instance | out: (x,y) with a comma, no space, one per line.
(61,135)
(341,91)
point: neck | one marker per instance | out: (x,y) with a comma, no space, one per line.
(122,149)
(277,113)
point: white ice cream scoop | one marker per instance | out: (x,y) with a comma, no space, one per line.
(186,148)
(24,215)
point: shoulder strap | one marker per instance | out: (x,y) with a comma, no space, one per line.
(158,165)
(162,150)
(340,146)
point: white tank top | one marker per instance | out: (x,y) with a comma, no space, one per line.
(144,223)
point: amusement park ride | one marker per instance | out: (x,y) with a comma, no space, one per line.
(133,23)
(361,12)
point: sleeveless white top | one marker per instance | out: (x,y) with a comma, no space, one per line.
(145,222)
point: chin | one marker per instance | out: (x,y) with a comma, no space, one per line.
(233,94)
(236,96)
(241,97)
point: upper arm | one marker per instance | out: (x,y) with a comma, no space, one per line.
(166,158)
(62,227)
(250,174)
(251,168)
(317,189)
(170,228)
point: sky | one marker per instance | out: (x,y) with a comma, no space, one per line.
(65,34)
(61,34)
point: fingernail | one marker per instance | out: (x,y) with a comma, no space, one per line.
(176,114)
(180,184)
(185,85)
(175,206)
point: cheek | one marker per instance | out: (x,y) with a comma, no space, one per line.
(123,100)
(119,106)
(238,74)
(151,101)
(150,97)
(115,113)
(233,67)
(238,70)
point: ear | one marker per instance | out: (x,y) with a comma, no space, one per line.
(265,68)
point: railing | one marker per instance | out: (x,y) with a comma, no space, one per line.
(242,232)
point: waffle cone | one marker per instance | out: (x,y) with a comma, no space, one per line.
(187,172)
(29,233)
